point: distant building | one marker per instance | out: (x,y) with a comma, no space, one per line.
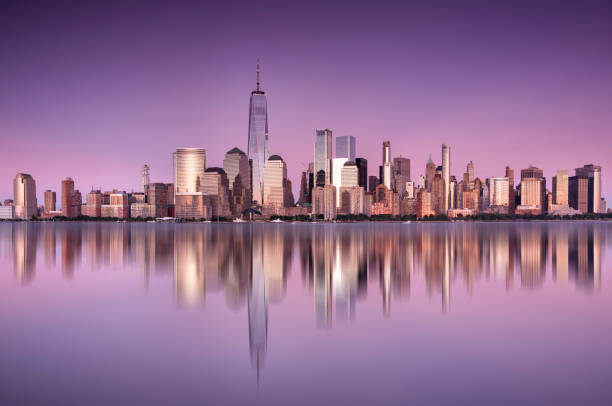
(511,195)
(345,147)
(50,201)
(408,206)
(144,178)
(24,196)
(385,202)
(499,192)
(410,190)
(532,172)
(533,195)
(336,175)
(7,212)
(94,201)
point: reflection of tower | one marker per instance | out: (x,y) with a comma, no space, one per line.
(323,253)
(258,305)
(585,257)
(189,272)
(24,251)
(446,276)
(386,283)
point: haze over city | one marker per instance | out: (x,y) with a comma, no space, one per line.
(94,91)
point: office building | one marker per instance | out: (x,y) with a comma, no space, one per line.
(189,167)
(532,172)
(345,147)
(401,174)
(118,206)
(499,192)
(94,201)
(144,178)
(236,167)
(324,202)
(258,139)
(323,154)
(578,193)
(511,195)
(352,199)
(24,196)
(437,194)
(71,199)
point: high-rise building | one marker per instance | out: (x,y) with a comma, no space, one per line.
(345,147)
(144,176)
(533,192)
(349,174)
(410,190)
(189,167)
(593,173)
(118,206)
(258,139)
(336,175)
(304,191)
(446,175)
(470,172)
(94,201)
(430,172)
(386,174)
(424,203)
(352,200)
(275,184)
(24,196)
(560,187)
(323,154)
(50,200)
(362,165)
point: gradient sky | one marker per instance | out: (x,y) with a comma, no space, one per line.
(94,91)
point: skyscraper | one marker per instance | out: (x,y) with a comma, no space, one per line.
(144,174)
(236,167)
(387,170)
(336,178)
(511,198)
(323,154)
(560,187)
(401,174)
(593,173)
(215,185)
(345,147)
(67,197)
(258,138)
(49,201)
(275,184)
(189,167)
(446,174)
(430,172)
(362,165)
(24,196)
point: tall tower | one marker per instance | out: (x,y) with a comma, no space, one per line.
(387,169)
(24,196)
(323,154)
(446,174)
(144,176)
(345,147)
(258,138)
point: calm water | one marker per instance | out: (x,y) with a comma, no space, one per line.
(160,314)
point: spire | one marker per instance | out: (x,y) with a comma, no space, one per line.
(430,161)
(258,74)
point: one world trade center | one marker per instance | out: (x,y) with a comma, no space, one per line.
(258,139)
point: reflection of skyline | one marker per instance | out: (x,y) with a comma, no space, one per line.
(337,262)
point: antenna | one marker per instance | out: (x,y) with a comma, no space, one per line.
(258,74)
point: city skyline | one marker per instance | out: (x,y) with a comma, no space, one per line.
(99,123)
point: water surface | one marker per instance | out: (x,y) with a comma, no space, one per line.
(369,313)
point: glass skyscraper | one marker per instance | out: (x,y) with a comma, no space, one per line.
(345,147)
(323,154)
(258,138)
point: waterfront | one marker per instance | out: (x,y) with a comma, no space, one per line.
(434,313)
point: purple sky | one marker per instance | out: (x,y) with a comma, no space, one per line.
(95,91)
